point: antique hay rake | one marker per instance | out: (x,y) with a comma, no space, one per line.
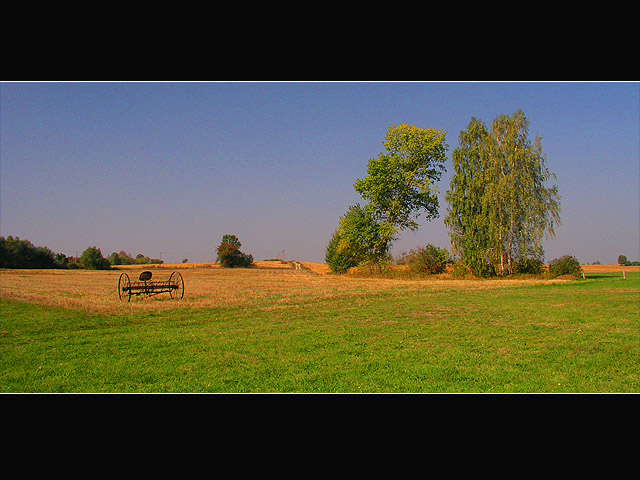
(144,286)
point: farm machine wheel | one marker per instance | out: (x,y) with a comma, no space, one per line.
(177,285)
(124,287)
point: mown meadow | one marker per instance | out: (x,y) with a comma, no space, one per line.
(279,330)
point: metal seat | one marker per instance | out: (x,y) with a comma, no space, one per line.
(145,276)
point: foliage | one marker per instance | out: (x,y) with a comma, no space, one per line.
(565,265)
(61,260)
(230,256)
(428,259)
(231,240)
(123,258)
(499,206)
(460,271)
(338,260)
(92,259)
(400,183)
(528,265)
(16,253)
(359,240)
(622,260)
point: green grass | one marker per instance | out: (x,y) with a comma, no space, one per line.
(579,336)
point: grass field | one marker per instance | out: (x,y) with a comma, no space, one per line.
(282,330)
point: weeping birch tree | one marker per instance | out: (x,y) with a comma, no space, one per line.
(499,205)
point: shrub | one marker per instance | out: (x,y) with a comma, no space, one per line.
(566,265)
(461,271)
(528,265)
(429,259)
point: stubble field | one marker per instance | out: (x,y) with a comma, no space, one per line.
(276,329)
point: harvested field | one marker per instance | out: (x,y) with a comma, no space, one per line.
(208,286)
(608,268)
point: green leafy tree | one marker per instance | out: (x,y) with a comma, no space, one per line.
(499,204)
(92,259)
(622,260)
(17,253)
(469,204)
(339,260)
(400,183)
(360,239)
(229,254)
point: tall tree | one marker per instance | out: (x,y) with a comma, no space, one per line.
(400,183)
(499,204)
(469,202)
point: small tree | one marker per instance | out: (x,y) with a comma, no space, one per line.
(359,240)
(622,260)
(92,259)
(231,240)
(230,256)
(338,260)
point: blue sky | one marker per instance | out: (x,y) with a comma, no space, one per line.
(166,168)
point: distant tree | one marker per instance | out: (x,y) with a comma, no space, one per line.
(17,253)
(61,260)
(230,256)
(231,240)
(622,260)
(92,259)
(123,258)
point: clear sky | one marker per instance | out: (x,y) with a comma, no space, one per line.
(167,168)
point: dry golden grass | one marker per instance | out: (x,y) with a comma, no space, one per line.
(271,285)
(608,268)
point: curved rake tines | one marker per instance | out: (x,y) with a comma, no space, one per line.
(124,287)
(176,285)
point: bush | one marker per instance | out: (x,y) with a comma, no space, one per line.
(429,259)
(460,270)
(528,265)
(566,265)
(230,256)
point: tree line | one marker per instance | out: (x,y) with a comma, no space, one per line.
(500,206)
(622,260)
(18,253)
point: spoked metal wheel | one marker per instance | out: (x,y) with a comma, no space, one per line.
(177,285)
(124,287)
